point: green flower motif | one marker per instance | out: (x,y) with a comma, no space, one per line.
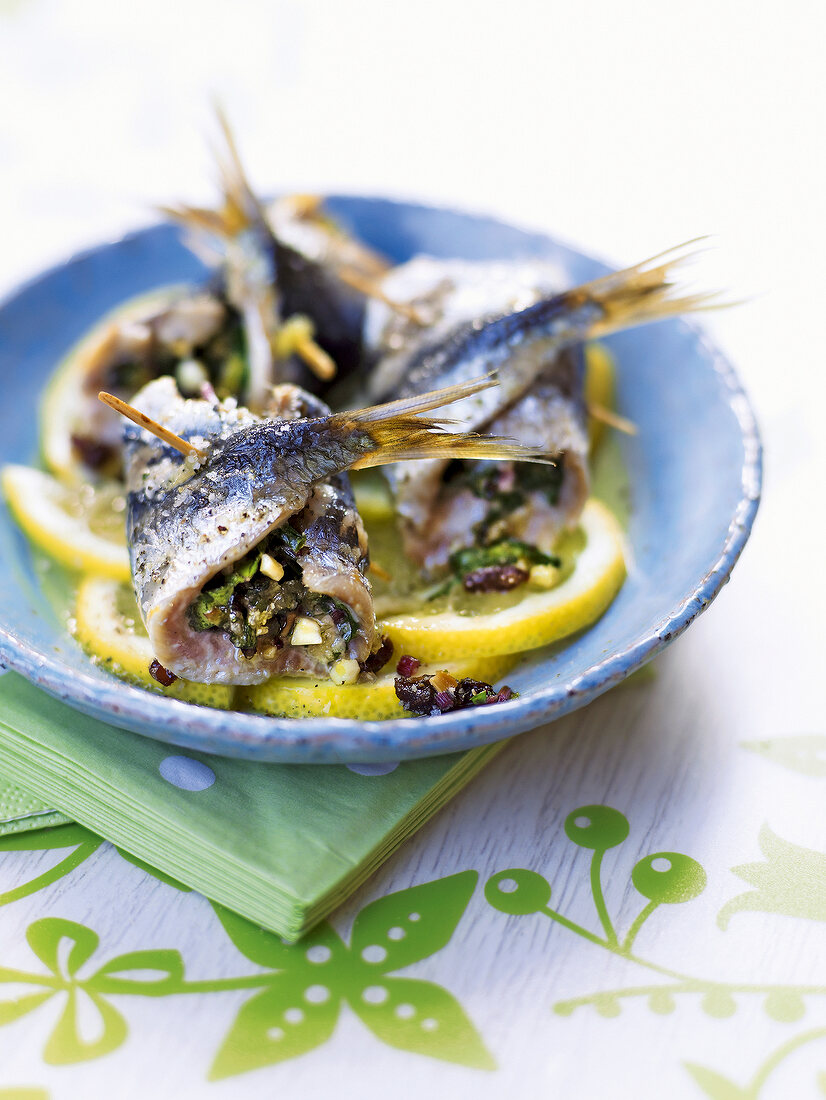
(65,948)
(804,753)
(791,881)
(669,878)
(300,1006)
(83,843)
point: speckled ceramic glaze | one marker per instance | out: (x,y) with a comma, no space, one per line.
(695,466)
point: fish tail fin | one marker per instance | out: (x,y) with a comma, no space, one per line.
(642,293)
(241,207)
(395,432)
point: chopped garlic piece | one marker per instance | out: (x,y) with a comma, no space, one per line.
(545,576)
(271,568)
(442,680)
(305,632)
(190,374)
(345,672)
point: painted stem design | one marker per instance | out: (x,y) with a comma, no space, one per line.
(599,898)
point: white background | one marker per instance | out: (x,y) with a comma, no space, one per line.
(623,128)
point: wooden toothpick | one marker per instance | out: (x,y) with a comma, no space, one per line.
(296,335)
(612,419)
(371,289)
(143,421)
(315,357)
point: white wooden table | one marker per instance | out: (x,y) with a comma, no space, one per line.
(624,129)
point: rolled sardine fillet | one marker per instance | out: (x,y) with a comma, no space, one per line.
(524,348)
(250,560)
(480,503)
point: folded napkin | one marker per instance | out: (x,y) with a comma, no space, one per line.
(20,811)
(281,844)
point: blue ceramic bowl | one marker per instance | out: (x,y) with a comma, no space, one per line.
(695,467)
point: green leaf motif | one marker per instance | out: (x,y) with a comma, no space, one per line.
(45,936)
(805,753)
(153,973)
(402,928)
(68,1045)
(422,1018)
(299,1008)
(286,1020)
(62,836)
(19,1006)
(791,881)
(715,1085)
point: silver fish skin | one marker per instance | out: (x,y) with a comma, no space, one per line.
(523,347)
(185,524)
(445,294)
(189,519)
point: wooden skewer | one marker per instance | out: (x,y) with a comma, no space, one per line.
(143,421)
(315,357)
(371,289)
(296,335)
(612,419)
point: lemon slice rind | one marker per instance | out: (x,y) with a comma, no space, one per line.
(39,504)
(63,401)
(294,697)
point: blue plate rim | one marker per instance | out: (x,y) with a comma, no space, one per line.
(333,740)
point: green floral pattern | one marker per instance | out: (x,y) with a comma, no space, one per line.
(297,995)
(308,983)
(296,999)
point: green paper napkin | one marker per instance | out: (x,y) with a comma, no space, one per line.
(20,811)
(281,844)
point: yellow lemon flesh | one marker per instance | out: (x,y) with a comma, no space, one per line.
(109,628)
(537,618)
(81,527)
(294,697)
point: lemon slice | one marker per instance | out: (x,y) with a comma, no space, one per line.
(65,402)
(80,527)
(295,697)
(538,618)
(109,628)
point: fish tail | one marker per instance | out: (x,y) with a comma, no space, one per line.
(242,205)
(642,293)
(241,208)
(395,432)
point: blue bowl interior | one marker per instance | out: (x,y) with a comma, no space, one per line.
(694,466)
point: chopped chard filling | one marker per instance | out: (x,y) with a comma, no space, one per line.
(440,692)
(262,604)
(507,486)
(496,568)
